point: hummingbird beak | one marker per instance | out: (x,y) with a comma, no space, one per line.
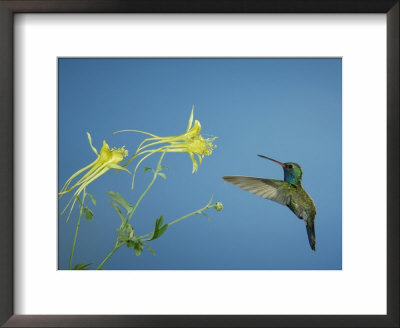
(274,160)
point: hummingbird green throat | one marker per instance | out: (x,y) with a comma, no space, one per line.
(289,192)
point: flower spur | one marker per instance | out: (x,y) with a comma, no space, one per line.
(190,142)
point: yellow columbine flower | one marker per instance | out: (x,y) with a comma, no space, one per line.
(106,160)
(190,142)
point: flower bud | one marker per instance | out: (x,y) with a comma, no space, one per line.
(218,206)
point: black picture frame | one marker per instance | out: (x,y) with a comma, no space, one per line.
(10,7)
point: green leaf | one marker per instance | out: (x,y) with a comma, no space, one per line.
(159,228)
(122,236)
(138,246)
(162,175)
(150,249)
(130,244)
(128,229)
(165,166)
(148,169)
(92,198)
(206,215)
(82,266)
(120,200)
(127,235)
(118,210)
(79,200)
(88,214)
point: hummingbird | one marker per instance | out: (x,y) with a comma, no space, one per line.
(289,192)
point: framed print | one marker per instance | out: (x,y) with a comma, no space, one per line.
(135,129)
(261,79)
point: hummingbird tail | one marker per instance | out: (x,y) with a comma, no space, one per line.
(311,234)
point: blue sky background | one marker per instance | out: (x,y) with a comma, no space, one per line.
(288,109)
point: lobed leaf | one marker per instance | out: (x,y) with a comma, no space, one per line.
(118,210)
(88,214)
(138,246)
(117,197)
(79,200)
(159,228)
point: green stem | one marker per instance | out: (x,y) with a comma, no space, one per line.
(187,215)
(149,234)
(116,246)
(159,168)
(76,231)
(110,254)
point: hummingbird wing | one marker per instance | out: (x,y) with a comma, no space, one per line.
(275,190)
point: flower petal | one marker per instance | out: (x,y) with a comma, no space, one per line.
(194,131)
(118,167)
(90,143)
(199,157)
(190,120)
(195,166)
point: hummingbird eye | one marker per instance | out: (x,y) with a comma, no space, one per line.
(290,166)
